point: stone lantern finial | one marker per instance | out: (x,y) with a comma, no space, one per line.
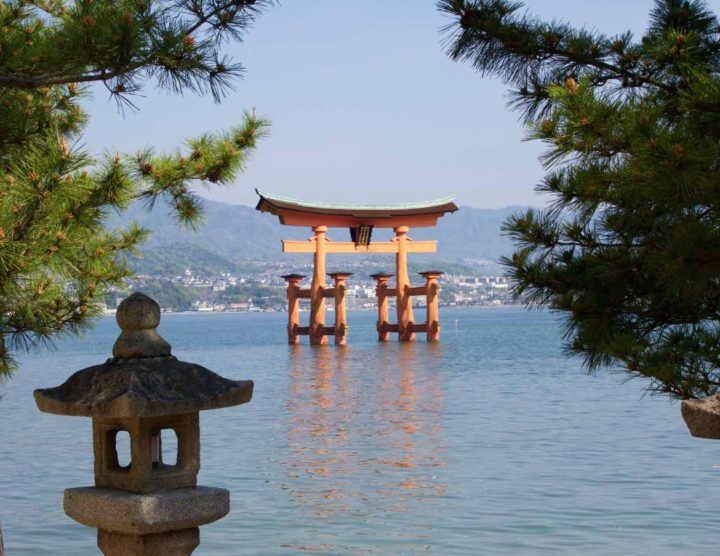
(138,317)
(150,506)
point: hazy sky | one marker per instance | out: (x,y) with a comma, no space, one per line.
(365,106)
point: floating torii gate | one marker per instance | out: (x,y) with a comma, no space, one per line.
(360,219)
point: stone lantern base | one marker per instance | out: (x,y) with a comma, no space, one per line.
(175,543)
(162,523)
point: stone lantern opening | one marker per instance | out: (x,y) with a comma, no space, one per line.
(122,448)
(147,471)
(165,448)
(150,504)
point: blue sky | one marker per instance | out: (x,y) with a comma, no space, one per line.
(365,106)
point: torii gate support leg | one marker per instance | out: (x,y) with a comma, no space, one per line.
(293,282)
(405,317)
(317,301)
(432,289)
(381,290)
(341,326)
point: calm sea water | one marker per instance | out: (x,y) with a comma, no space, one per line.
(490,443)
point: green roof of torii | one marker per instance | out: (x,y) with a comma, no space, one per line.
(444,204)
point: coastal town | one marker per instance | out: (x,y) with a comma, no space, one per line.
(264,291)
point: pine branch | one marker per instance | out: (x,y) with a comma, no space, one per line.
(208,69)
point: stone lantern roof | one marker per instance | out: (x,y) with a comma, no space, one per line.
(142,379)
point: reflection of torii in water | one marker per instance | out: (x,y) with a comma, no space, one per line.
(350,451)
(360,219)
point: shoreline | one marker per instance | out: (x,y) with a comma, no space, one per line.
(111,313)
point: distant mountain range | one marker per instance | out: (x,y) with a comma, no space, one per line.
(232,236)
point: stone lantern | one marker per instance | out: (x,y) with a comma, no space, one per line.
(149,506)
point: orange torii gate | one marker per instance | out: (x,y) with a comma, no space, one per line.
(361,219)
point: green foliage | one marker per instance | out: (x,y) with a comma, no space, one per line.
(169,294)
(57,256)
(261,296)
(122,43)
(173,259)
(628,249)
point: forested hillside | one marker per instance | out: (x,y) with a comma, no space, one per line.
(233,236)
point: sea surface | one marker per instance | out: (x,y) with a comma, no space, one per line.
(491,442)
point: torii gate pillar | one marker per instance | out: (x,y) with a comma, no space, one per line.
(405,317)
(293,295)
(382,292)
(341,327)
(317,299)
(432,289)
